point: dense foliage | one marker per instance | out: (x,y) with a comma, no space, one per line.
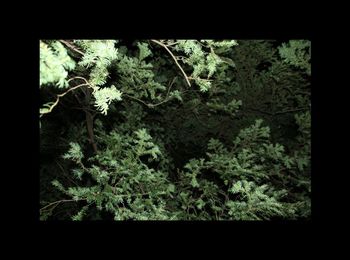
(175,129)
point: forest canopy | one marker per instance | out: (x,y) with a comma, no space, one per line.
(175,130)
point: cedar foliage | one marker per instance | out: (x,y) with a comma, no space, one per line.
(175,130)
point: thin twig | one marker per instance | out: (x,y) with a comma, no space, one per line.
(67,176)
(200,79)
(171,84)
(292,110)
(166,99)
(72,47)
(280,112)
(61,95)
(139,100)
(169,44)
(172,55)
(57,202)
(82,166)
(77,77)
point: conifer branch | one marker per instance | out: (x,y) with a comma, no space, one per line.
(166,99)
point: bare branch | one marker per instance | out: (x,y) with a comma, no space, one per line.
(71,46)
(58,202)
(175,59)
(69,90)
(61,95)
(279,112)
